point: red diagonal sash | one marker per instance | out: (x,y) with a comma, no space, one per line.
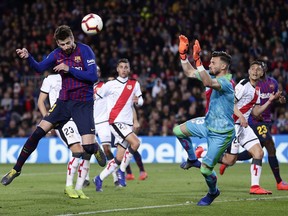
(120,103)
(248,106)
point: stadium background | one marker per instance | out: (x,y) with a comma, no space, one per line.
(145,32)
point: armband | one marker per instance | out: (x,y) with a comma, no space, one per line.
(184,61)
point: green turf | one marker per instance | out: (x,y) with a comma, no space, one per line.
(168,190)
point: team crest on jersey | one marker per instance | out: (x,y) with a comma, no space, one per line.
(257,89)
(129,87)
(59,60)
(271,86)
(77,59)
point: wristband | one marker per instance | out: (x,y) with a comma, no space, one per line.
(184,61)
(200,68)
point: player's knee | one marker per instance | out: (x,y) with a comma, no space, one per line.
(206,171)
(229,159)
(90,148)
(270,149)
(259,154)
(178,132)
(77,154)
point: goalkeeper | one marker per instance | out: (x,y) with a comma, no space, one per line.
(217,126)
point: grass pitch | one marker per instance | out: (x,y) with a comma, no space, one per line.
(169,190)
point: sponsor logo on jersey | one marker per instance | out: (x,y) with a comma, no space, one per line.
(90,62)
(129,87)
(59,60)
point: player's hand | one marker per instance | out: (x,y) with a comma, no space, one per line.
(243,121)
(274,96)
(136,126)
(61,67)
(183,46)
(282,99)
(135,99)
(22,53)
(196,53)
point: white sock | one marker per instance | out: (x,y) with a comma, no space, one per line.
(83,169)
(115,178)
(110,167)
(71,170)
(126,160)
(255,174)
(87,177)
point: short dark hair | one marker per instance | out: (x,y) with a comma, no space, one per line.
(260,63)
(224,56)
(123,60)
(63,32)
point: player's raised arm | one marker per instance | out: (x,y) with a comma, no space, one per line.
(257,109)
(188,69)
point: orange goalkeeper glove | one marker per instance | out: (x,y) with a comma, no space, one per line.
(183,46)
(196,53)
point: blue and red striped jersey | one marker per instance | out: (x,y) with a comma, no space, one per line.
(267,87)
(77,84)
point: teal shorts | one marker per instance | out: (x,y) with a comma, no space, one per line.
(217,143)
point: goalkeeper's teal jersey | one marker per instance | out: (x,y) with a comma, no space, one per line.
(219,117)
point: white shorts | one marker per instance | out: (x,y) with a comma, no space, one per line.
(69,133)
(246,136)
(103,132)
(121,131)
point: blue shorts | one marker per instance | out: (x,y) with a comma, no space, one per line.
(217,143)
(262,130)
(81,113)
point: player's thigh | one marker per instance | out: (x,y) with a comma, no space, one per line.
(256,151)
(82,114)
(196,127)
(59,113)
(248,138)
(217,143)
(133,140)
(104,133)
(69,135)
(262,131)
(120,132)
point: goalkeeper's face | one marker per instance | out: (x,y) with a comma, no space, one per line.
(215,66)
(123,69)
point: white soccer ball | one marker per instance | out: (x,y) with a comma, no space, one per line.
(91,24)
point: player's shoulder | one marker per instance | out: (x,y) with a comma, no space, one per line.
(271,79)
(82,45)
(243,82)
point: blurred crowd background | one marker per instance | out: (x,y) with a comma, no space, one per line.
(145,32)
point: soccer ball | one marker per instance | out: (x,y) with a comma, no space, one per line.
(91,24)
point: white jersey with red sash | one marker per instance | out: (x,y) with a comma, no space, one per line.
(100,106)
(247,96)
(119,93)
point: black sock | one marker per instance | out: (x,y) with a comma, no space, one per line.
(128,169)
(245,155)
(273,162)
(138,160)
(29,146)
